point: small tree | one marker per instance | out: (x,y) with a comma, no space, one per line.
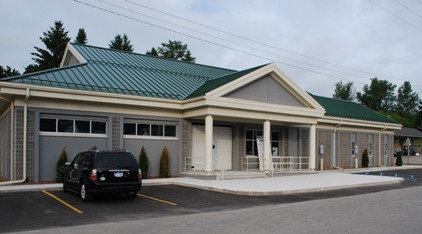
(81,37)
(61,165)
(143,163)
(164,164)
(399,160)
(365,158)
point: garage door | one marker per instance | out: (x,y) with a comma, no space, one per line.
(222,150)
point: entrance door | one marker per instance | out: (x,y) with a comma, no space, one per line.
(222,146)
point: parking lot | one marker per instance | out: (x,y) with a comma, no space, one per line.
(52,208)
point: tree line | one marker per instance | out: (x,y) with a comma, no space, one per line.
(404,106)
(56,38)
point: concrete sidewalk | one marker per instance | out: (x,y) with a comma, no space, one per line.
(278,185)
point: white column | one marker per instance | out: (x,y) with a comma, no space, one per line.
(267,145)
(208,143)
(312,147)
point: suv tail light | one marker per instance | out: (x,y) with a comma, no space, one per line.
(139,174)
(93,175)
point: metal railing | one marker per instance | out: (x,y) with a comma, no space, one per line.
(219,168)
(197,165)
(194,164)
(290,163)
(278,164)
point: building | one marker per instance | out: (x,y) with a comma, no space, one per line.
(210,118)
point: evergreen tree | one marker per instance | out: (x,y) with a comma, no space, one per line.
(407,100)
(8,71)
(173,50)
(55,41)
(365,158)
(152,52)
(121,43)
(81,37)
(344,91)
(143,163)
(60,165)
(164,164)
(399,160)
(379,96)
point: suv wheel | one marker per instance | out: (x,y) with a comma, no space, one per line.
(85,195)
(131,195)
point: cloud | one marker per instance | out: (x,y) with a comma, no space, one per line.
(355,34)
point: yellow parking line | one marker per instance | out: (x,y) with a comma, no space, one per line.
(156,199)
(63,202)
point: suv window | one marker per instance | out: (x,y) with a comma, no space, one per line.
(115,159)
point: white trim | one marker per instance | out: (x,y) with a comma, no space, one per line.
(276,73)
(70,50)
(162,138)
(71,134)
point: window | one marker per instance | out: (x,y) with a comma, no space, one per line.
(48,125)
(251,146)
(129,129)
(149,130)
(82,126)
(59,125)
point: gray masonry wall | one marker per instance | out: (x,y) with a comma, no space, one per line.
(324,137)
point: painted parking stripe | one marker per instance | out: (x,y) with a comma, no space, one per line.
(156,199)
(63,202)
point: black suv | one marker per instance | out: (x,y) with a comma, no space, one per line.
(95,171)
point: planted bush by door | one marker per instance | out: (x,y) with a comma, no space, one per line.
(164,164)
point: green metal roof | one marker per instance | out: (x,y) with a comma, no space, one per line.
(115,71)
(350,110)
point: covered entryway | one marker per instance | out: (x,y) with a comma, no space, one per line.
(222,147)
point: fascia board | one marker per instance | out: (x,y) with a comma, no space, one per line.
(280,76)
(229,87)
(358,123)
(87,96)
(70,50)
(262,107)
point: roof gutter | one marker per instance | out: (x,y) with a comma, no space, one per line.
(25,131)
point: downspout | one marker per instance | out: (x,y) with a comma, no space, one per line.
(12,110)
(335,147)
(379,144)
(25,131)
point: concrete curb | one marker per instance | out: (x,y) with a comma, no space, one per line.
(286,192)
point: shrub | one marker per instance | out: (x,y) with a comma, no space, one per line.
(164,164)
(365,158)
(399,160)
(143,163)
(60,165)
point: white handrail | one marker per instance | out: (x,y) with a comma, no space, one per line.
(290,163)
(222,169)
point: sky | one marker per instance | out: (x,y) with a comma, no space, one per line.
(317,43)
